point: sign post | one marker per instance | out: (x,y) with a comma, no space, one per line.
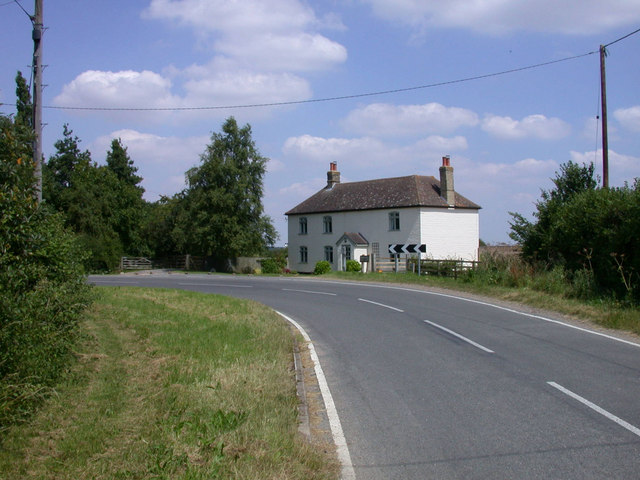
(397,248)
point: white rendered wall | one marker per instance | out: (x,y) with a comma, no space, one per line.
(450,233)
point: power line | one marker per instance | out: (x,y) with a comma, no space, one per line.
(326,99)
(622,38)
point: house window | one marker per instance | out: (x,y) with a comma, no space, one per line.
(303,226)
(328,254)
(375,248)
(303,255)
(394,221)
(327,226)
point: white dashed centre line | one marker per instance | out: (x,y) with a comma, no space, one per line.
(457,335)
(381,305)
(596,408)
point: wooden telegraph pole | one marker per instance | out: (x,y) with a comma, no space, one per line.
(605,138)
(37,96)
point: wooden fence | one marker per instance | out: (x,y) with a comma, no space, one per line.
(135,263)
(175,262)
(443,268)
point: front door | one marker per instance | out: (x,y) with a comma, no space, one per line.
(345,254)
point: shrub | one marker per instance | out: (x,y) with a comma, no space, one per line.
(42,286)
(271,266)
(353,266)
(322,267)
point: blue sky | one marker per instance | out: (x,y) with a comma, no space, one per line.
(507,134)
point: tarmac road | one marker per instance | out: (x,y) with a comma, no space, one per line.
(430,385)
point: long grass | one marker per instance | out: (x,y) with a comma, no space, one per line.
(171,385)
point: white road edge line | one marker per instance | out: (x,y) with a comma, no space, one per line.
(471,342)
(487,304)
(598,409)
(381,305)
(308,291)
(348,473)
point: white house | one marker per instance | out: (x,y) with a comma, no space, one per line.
(346,220)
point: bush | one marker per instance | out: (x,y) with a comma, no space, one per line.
(42,286)
(353,266)
(271,266)
(322,267)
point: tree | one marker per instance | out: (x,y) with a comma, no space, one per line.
(85,194)
(24,107)
(128,208)
(221,213)
(536,237)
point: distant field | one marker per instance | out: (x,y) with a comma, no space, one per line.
(171,385)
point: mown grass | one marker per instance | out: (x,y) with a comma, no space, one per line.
(545,291)
(171,385)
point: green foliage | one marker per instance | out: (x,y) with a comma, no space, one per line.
(353,266)
(42,288)
(275,263)
(322,267)
(102,204)
(221,213)
(589,234)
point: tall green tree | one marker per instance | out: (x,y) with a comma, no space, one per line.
(85,194)
(24,107)
(221,212)
(128,208)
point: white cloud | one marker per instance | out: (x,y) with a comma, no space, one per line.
(533,126)
(274,35)
(204,86)
(629,118)
(333,149)
(124,89)
(383,119)
(574,17)
(355,156)
(161,161)
(622,168)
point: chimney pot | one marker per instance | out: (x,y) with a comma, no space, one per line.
(333,175)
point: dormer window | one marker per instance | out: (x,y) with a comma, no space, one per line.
(303,226)
(327,226)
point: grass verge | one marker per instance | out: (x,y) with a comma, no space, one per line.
(606,313)
(171,385)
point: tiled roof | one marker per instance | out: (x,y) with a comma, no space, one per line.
(355,238)
(398,192)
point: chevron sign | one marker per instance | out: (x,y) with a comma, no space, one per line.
(407,248)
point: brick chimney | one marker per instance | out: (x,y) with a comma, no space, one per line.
(333,175)
(446,181)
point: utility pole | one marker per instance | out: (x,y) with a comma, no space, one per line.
(37,96)
(605,138)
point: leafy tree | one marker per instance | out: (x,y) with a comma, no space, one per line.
(586,232)
(85,194)
(535,237)
(220,213)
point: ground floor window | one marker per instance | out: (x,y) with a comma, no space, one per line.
(304,255)
(328,254)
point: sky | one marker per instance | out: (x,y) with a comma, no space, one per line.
(418,79)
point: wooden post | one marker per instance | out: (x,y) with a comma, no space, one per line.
(605,138)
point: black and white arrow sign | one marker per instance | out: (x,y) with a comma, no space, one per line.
(407,248)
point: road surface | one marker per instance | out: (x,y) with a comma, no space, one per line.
(429,385)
